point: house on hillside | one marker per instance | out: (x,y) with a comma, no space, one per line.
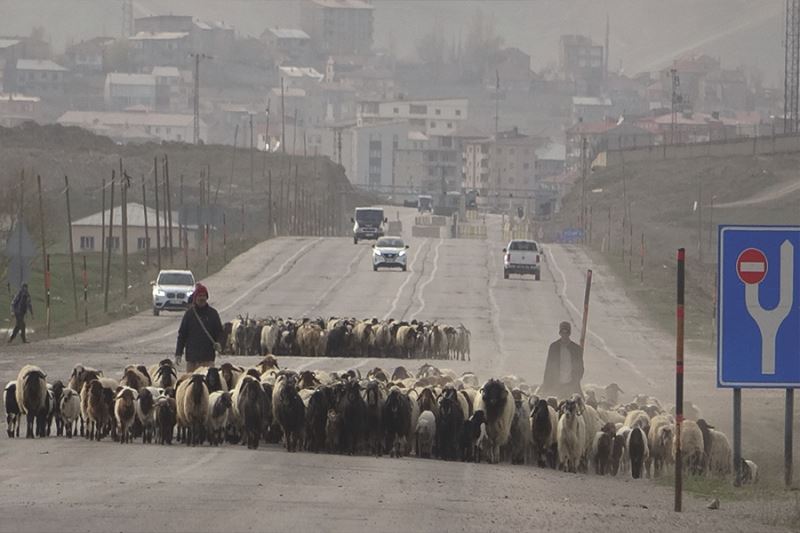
(131,127)
(88,56)
(87,232)
(39,77)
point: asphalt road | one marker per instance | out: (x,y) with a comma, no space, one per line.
(79,486)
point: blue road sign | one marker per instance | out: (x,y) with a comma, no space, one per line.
(759,307)
(571,235)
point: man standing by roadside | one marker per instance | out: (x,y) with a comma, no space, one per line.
(20,306)
(200,332)
(564,368)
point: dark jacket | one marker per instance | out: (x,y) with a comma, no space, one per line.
(551,385)
(22,303)
(192,337)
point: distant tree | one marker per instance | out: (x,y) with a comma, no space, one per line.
(431,47)
(117,57)
(481,47)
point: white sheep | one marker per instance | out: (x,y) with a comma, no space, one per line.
(425,434)
(659,439)
(637,418)
(719,457)
(571,436)
(70,410)
(692,449)
(496,401)
(219,406)
(749,472)
(146,411)
(191,400)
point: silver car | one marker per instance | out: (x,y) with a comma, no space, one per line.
(172,290)
(389,252)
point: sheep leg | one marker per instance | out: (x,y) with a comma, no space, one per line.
(29,429)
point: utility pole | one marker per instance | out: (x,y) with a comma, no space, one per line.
(197,58)
(146,227)
(677,99)
(168,202)
(252,155)
(124,182)
(283,118)
(110,244)
(583,189)
(791,80)
(71,248)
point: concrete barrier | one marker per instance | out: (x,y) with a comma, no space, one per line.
(430,220)
(471,231)
(395,227)
(434,232)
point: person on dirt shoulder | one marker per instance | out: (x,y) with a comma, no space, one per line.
(20,306)
(564,368)
(200,332)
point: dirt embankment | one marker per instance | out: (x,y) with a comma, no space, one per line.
(661,204)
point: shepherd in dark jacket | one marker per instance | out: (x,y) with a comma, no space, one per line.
(564,369)
(20,306)
(200,333)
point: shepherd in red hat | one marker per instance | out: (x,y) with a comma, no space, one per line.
(200,333)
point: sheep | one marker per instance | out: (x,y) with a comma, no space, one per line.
(602,448)
(397,420)
(70,411)
(191,399)
(31,396)
(425,434)
(219,405)
(749,471)
(637,418)
(470,432)
(637,451)
(593,424)
(571,436)
(520,438)
(57,390)
(374,404)
(544,422)
(125,412)
(448,424)
(316,419)
(610,416)
(231,374)
(135,378)
(659,440)
(165,374)
(98,412)
(717,449)
(496,402)
(145,412)
(333,429)
(166,414)
(354,413)
(288,411)
(692,447)
(13,414)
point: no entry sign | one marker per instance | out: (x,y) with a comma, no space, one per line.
(751,266)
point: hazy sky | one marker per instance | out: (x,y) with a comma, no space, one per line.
(645,34)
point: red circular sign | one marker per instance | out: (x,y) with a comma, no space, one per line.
(751,266)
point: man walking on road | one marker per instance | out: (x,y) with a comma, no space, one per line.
(20,306)
(200,332)
(564,369)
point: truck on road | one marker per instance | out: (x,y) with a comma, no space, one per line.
(368,223)
(522,257)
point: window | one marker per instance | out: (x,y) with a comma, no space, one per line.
(416,109)
(450,125)
(458,112)
(526,166)
(396,110)
(112,243)
(438,111)
(522,246)
(142,243)
(87,243)
(433,123)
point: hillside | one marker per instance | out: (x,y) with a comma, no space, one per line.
(745,190)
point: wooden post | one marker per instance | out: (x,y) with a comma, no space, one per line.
(586,293)
(158,214)
(169,207)
(224,239)
(283,118)
(45,257)
(271,219)
(124,204)
(294,217)
(233,160)
(252,155)
(103,238)
(85,294)
(110,243)
(71,249)
(146,228)
(679,315)
(243,236)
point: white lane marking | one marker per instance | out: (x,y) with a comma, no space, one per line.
(602,341)
(409,275)
(426,282)
(495,312)
(336,283)
(280,272)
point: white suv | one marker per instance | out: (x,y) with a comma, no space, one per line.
(389,252)
(172,290)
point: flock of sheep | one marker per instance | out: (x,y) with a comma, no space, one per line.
(430,413)
(343,337)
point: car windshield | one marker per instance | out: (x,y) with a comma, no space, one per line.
(175,278)
(371,216)
(523,246)
(390,243)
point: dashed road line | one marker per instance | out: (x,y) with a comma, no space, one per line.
(409,274)
(427,282)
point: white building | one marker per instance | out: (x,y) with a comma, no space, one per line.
(136,127)
(432,117)
(123,90)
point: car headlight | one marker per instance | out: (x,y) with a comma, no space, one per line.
(159,292)
(402,253)
(377,252)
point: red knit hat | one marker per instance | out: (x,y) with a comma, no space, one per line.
(200,289)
